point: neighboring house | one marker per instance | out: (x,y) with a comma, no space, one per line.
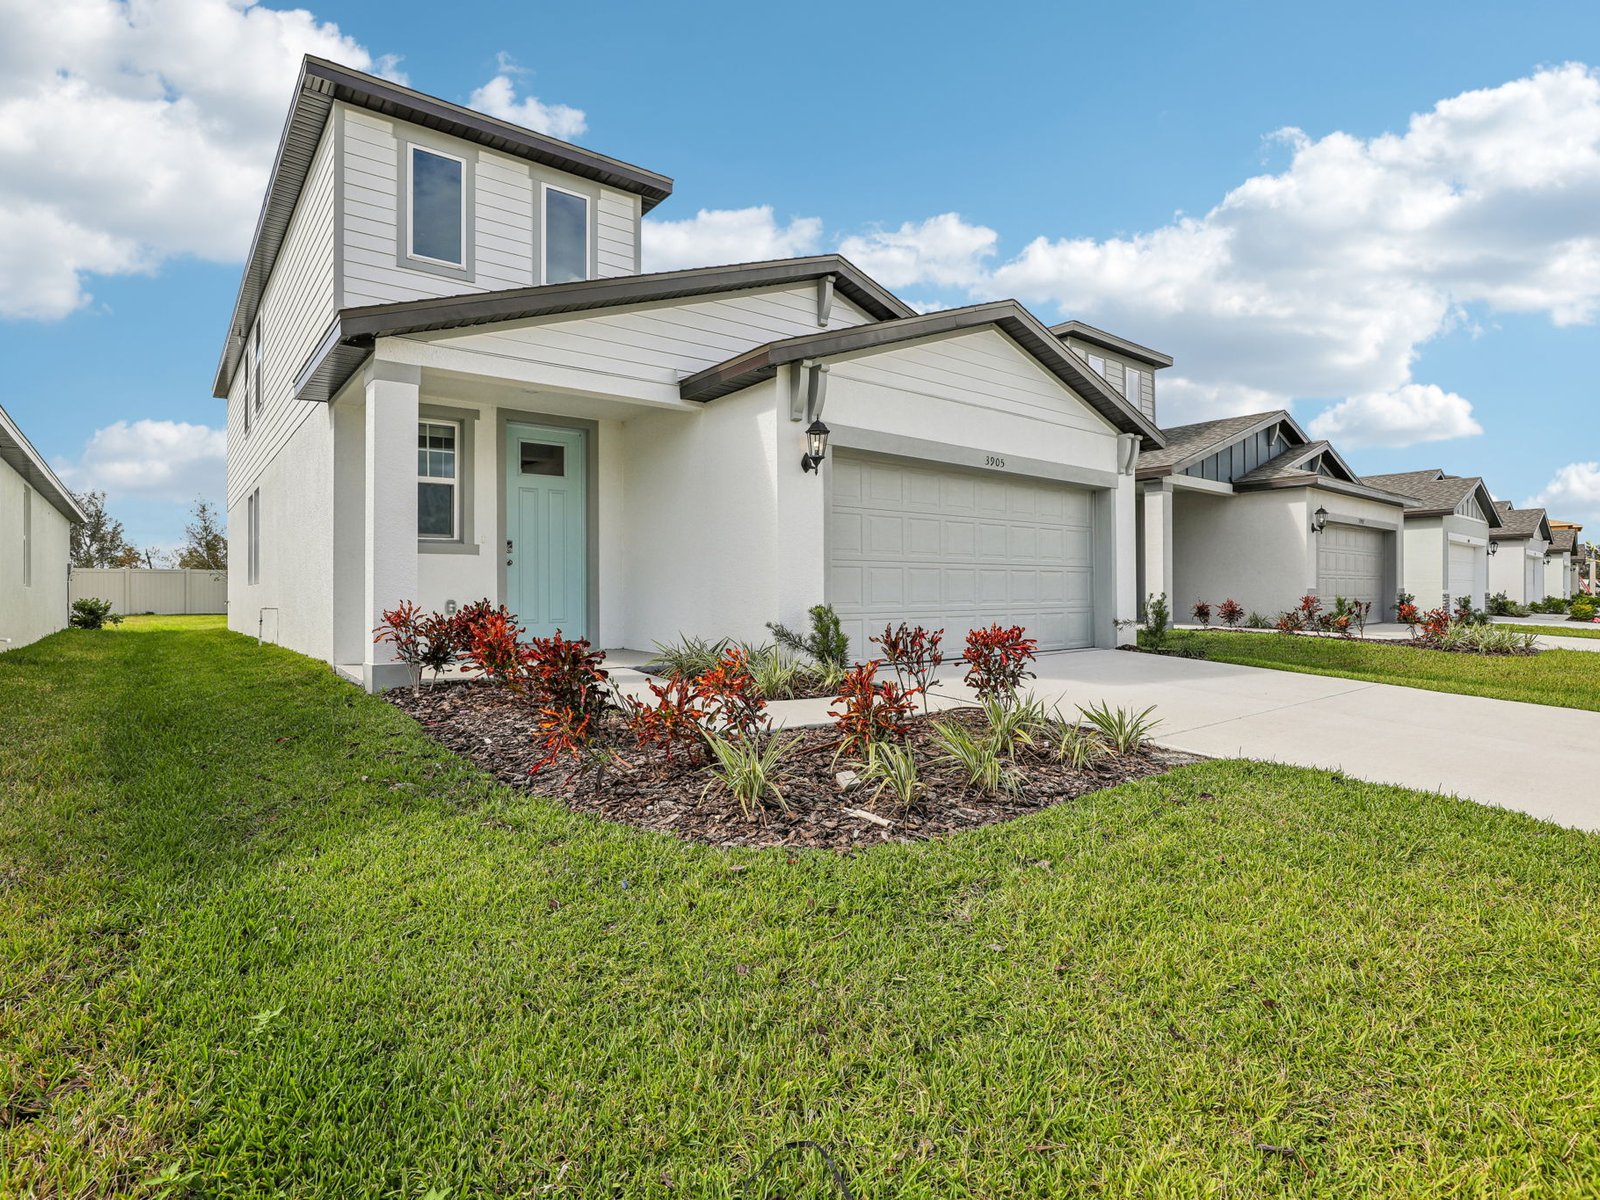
(37,514)
(1450,520)
(1251,509)
(1517,553)
(1561,572)
(446,379)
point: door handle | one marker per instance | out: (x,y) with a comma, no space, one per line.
(508,552)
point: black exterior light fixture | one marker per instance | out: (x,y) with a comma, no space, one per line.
(816,445)
(1319,520)
(1494,548)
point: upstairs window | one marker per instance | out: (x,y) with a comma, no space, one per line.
(437,213)
(437,508)
(244,402)
(566,235)
(255,373)
(1133,386)
(1097,364)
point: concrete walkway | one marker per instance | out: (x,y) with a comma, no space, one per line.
(1530,757)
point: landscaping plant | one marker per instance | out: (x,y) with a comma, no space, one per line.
(1258,621)
(826,642)
(401,629)
(89,612)
(729,702)
(1230,613)
(566,674)
(689,656)
(1014,725)
(750,769)
(493,646)
(1465,614)
(1124,730)
(976,756)
(1202,613)
(872,711)
(1078,745)
(1406,611)
(913,653)
(1502,605)
(1582,610)
(777,676)
(894,769)
(997,661)
(673,724)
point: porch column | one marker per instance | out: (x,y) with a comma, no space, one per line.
(390,519)
(1157,549)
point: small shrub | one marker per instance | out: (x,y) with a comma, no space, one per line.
(1349,617)
(1434,623)
(730,703)
(1202,613)
(913,654)
(689,656)
(562,674)
(441,642)
(826,643)
(1581,610)
(894,769)
(1408,615)
(1078,745)
(777,676)
(672,724)
(997,661)
(1230,613)
(90,612)
(494,646)
(1014,725)
(873,711)
(1486,639)
(563,730)
(1312,619)
(749,769)
(1258,621)
(401,628)
(1290,621)
(1465,614)
(1550,605)
(1124,730)
(976,757)
(1502,605)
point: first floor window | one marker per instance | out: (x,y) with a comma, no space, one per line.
(566,236)
(253,537)
(436,479)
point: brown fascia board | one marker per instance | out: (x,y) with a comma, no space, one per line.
(320,85)
(1330,485)
(1110,341)
(348,340)
(1008,316)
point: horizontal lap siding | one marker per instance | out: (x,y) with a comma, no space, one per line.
(617,234)
(295,312)
(665,342)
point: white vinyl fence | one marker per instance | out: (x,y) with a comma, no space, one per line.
(136,590)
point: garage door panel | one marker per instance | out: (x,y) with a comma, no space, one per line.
(951,549)
(1464,571)
(1350,563)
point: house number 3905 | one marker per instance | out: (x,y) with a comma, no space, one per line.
(993,460)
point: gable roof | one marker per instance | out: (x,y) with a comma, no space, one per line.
(1434,493)
(1008,316)
(321,83)
(1563,541)
(1521,523)
(349,339)
(1288,470)
(18,453)
(1110,341)
(1188,444)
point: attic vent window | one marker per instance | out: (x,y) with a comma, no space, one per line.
(438,208)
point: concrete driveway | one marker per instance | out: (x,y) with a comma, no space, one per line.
(1530,757)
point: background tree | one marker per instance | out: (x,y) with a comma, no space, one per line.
(205,542)
(99,541)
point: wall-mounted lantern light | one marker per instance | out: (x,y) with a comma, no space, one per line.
(816,446)
(1494,548)
(1319,520)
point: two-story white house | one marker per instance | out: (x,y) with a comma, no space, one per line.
(447,379)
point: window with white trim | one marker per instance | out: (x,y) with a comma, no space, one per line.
(438,496)
(565,229)
(436,209)
(1097,364)
(252,557)
(1133,385)
(27,536)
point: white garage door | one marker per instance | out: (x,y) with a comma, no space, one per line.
(1532,580)
(954,549)
(1464,573)
(1350,564)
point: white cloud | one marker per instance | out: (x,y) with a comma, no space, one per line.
(498,98)
(1573,493)
(729,235)
(152,460)
(942,250)
(1412,413)
(134,131)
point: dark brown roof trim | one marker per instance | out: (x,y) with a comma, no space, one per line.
(320,84)
(1008,316)
(348,341)
(1343,487)
(1267,419)
(1110,341)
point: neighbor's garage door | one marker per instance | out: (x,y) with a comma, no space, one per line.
(1464,573)
(1350,564)
(954,549)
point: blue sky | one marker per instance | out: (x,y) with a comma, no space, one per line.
(1426,299)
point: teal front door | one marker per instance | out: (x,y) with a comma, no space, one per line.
(546,534)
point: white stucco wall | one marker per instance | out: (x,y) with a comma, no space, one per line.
(30,610)
(1558,576)
(1427,557)
(1509,569)
(1257,548)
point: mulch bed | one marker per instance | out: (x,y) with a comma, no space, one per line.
(494,730)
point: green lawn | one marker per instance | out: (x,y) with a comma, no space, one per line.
(1566,678)
(1575,629)
(258,934)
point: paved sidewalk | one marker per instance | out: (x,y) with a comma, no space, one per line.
(1530,757)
